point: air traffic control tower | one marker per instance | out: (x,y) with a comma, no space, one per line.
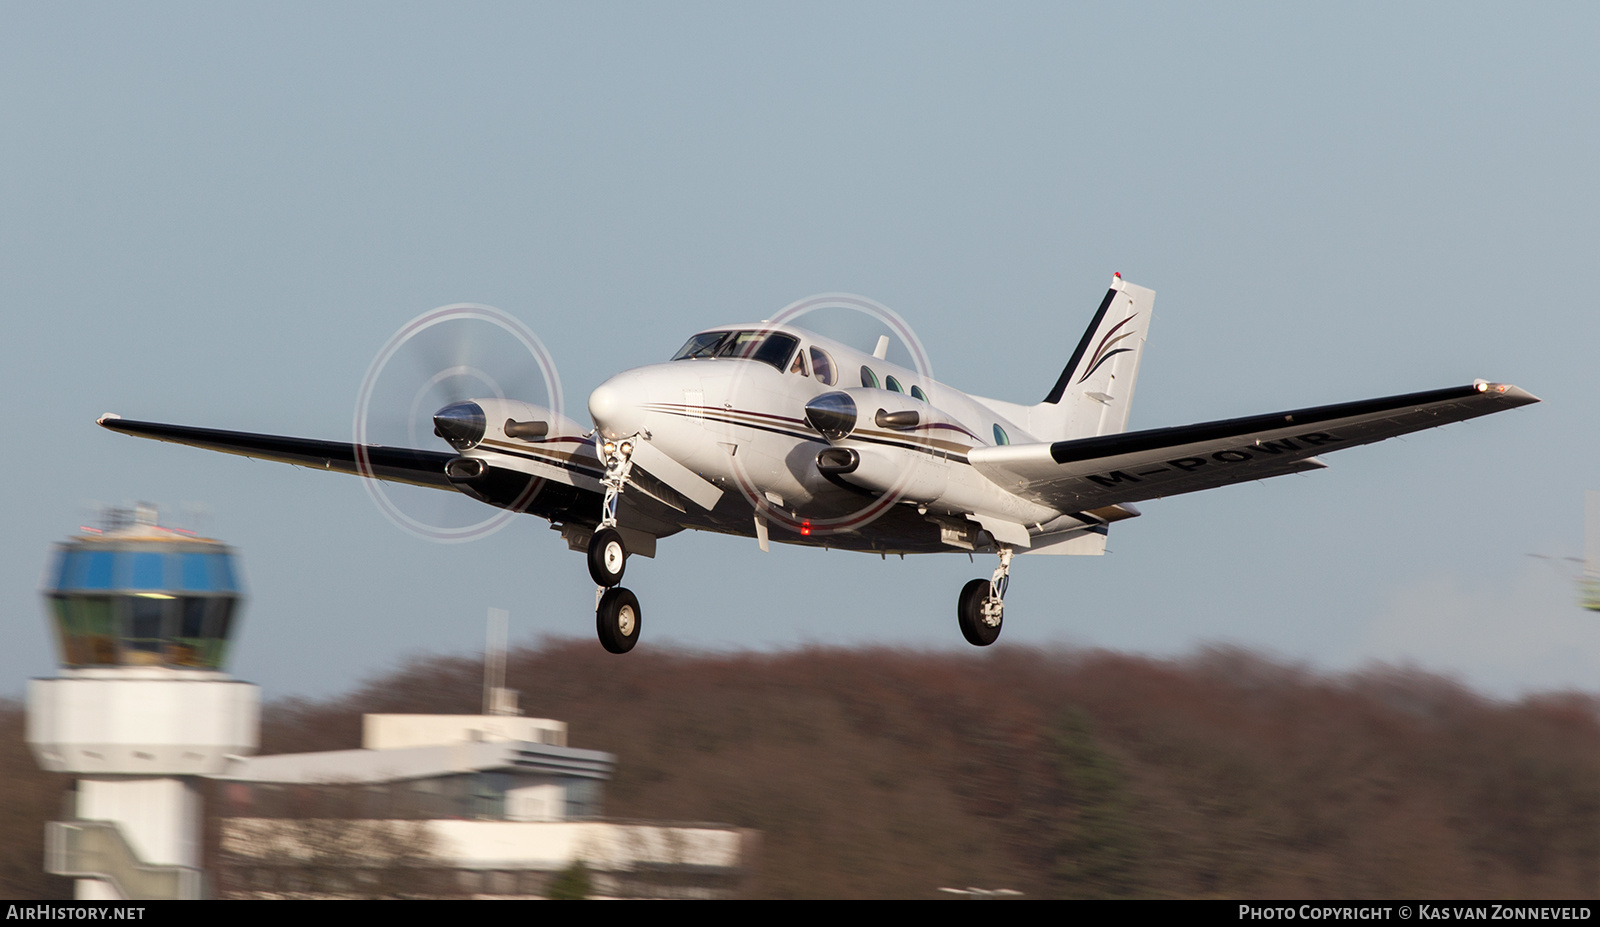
(141,705)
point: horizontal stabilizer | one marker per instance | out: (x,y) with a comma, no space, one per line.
(1076,544)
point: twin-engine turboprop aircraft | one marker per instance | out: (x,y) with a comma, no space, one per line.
(773,432)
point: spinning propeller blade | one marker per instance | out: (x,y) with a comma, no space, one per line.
(417,387)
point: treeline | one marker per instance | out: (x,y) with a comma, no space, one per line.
(878,773)
(29,797)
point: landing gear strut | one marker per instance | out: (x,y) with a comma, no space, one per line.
(616,613)
(981,606)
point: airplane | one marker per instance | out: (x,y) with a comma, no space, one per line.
(772,432)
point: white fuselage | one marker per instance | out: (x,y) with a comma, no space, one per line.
(741,423)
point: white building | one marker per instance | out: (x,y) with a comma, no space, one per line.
(451,806)
(433,805)
(140,708)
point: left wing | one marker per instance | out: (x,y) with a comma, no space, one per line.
(1091,472)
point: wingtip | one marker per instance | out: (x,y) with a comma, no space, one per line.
(107,417)
(1516,394)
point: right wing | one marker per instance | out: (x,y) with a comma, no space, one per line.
(394,464)
(1088,473)
(562,459)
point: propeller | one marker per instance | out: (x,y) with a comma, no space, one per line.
(417,394)
(861,321)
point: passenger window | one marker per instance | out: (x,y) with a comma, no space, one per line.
(799,365)
(868,378)
(891,384)
(1000,437)
(917,393)
(822,366)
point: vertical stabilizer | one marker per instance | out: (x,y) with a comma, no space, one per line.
(1095,390)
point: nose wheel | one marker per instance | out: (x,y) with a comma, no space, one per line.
(607,557)
(616,610)
(617,620)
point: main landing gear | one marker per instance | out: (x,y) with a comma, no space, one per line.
(616,613)
(982,604)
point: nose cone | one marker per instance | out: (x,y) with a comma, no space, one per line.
(833,414)
(614,407)
(460,423)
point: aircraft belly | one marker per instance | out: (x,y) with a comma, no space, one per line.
(899,531)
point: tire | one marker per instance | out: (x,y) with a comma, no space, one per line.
(969,610)
(608,557)
(617,620)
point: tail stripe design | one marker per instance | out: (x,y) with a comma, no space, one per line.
(1100,355)
(1060,388)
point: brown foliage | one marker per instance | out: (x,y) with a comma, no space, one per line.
(30,798)
(878,773)
(888,773)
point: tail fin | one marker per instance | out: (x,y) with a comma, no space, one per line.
(1095,391)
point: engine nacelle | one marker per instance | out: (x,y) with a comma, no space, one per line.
(469,423)
(844,412)
(911,475)
(886,442)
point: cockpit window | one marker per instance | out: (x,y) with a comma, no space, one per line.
(701,345)
(768,347)
(799,365)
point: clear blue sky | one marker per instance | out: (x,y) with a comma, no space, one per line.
(216,214)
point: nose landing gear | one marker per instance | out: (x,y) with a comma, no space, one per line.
(617,613)
(981,605)
(607,557)
(617,619)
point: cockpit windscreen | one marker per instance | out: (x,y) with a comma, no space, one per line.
(769,347)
